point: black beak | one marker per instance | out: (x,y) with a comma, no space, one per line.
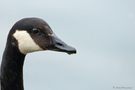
(60,46)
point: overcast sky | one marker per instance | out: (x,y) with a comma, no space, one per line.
(102,31)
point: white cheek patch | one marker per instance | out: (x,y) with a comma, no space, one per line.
(25,43)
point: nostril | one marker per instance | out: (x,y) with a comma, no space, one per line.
(59,44)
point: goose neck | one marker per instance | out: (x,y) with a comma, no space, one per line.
(12,69)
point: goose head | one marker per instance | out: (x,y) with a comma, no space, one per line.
(34,34)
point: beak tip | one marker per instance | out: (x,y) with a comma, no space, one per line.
(72,52)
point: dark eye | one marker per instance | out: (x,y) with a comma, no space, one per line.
(35,30)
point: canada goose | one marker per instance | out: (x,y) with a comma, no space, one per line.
(27,35)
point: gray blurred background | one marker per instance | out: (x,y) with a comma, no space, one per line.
(102,31)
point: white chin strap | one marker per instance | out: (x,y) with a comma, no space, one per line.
(25,43)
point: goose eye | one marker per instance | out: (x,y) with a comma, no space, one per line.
(35,30)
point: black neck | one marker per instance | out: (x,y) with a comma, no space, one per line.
(12,69)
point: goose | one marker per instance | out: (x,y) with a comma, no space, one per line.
(26,36)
